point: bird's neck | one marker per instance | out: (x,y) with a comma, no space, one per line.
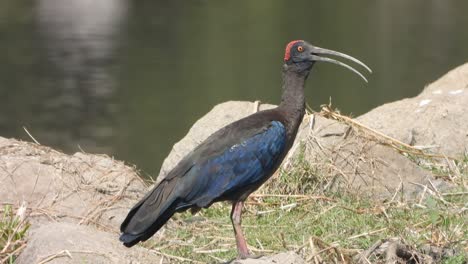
(292,103)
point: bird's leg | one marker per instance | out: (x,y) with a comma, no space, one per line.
(236,219)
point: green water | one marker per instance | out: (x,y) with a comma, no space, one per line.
(128,78)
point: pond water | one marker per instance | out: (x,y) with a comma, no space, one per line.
(129,78)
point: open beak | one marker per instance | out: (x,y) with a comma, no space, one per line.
(315,51)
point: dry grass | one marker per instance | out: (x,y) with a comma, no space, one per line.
(13,228)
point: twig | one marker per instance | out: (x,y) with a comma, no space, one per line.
(312,249)
(63,253)
(256,105)
(311,123)
(14,252)
(217,250)
(342,259)
(426,147)
(437,192)
(67,253)
(320,251)
(283,241)
(423,194)
(260,244)
(368,233)
(317,216)
(400,186)
(288,206)
(264,212)
(363,256)
(252,248)
(29,134)
(218,259)
(454,193)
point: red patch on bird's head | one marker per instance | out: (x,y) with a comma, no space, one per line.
(287,54)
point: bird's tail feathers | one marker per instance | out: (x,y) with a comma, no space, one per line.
(129,240)
(150,214)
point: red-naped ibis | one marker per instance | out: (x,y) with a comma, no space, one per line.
(234,161)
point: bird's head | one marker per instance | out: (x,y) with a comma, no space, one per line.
(301,56)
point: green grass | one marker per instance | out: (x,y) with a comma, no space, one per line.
(457,259)
(338,224)
(12,234)
(348,223)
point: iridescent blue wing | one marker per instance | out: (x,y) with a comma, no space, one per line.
(242,166)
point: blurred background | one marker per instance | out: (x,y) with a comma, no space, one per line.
(129,78)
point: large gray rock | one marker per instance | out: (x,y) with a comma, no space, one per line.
(71,243)
(348,159)
(437,118)
(75,204)
(82,188)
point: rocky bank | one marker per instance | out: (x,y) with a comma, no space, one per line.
(75,203)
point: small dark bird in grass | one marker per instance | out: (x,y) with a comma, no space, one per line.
(234,161)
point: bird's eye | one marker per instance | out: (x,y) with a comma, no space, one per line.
(300,48)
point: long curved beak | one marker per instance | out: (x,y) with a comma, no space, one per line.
(315,51)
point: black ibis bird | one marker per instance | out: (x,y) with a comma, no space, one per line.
(234,161)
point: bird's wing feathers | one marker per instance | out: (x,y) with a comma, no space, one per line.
(239,166)
(223,139)
(228,162)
